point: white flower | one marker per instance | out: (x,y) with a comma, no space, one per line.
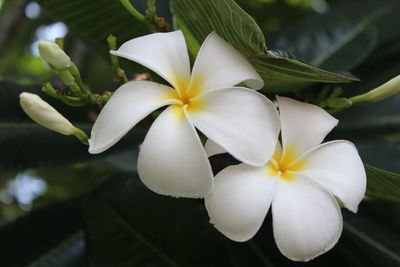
(300,182)
(44,114)
(172,160)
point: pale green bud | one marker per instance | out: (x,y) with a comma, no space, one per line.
(382,92)
(44,114)
(54,55)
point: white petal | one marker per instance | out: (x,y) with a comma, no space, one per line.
(213,148)
(219,65)
(172,160)
(242,121)
(303,126)
(306,219)
(240,200)
(337,166)
(164,53)
(128,105)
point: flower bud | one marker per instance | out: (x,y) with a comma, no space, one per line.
(382,92)
(54,55)
(44,114)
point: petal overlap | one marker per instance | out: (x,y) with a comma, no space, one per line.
(303,126)
(307,220)
(243,130)
(129,104)
(240,201)
(172,160)
(213,148)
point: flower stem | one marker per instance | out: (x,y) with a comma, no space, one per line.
(69,100)
(157,24)
(128,6)
(77,78)
(119,73)
(151,9)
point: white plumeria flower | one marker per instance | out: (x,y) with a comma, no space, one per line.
(172,160)
(300,182)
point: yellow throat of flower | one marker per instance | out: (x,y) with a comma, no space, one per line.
(285,163)
(186,93)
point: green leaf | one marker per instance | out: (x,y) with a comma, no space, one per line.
(93,21)
(30,145)
(332,41)
(386,24)
(239,29)
(283,74)
(50,236)
(346,54)
(224,17)
(373,127)
(25,144)
(128,225)
(382,184)
(377,242)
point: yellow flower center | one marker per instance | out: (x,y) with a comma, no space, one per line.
(186,92)
(285,163)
